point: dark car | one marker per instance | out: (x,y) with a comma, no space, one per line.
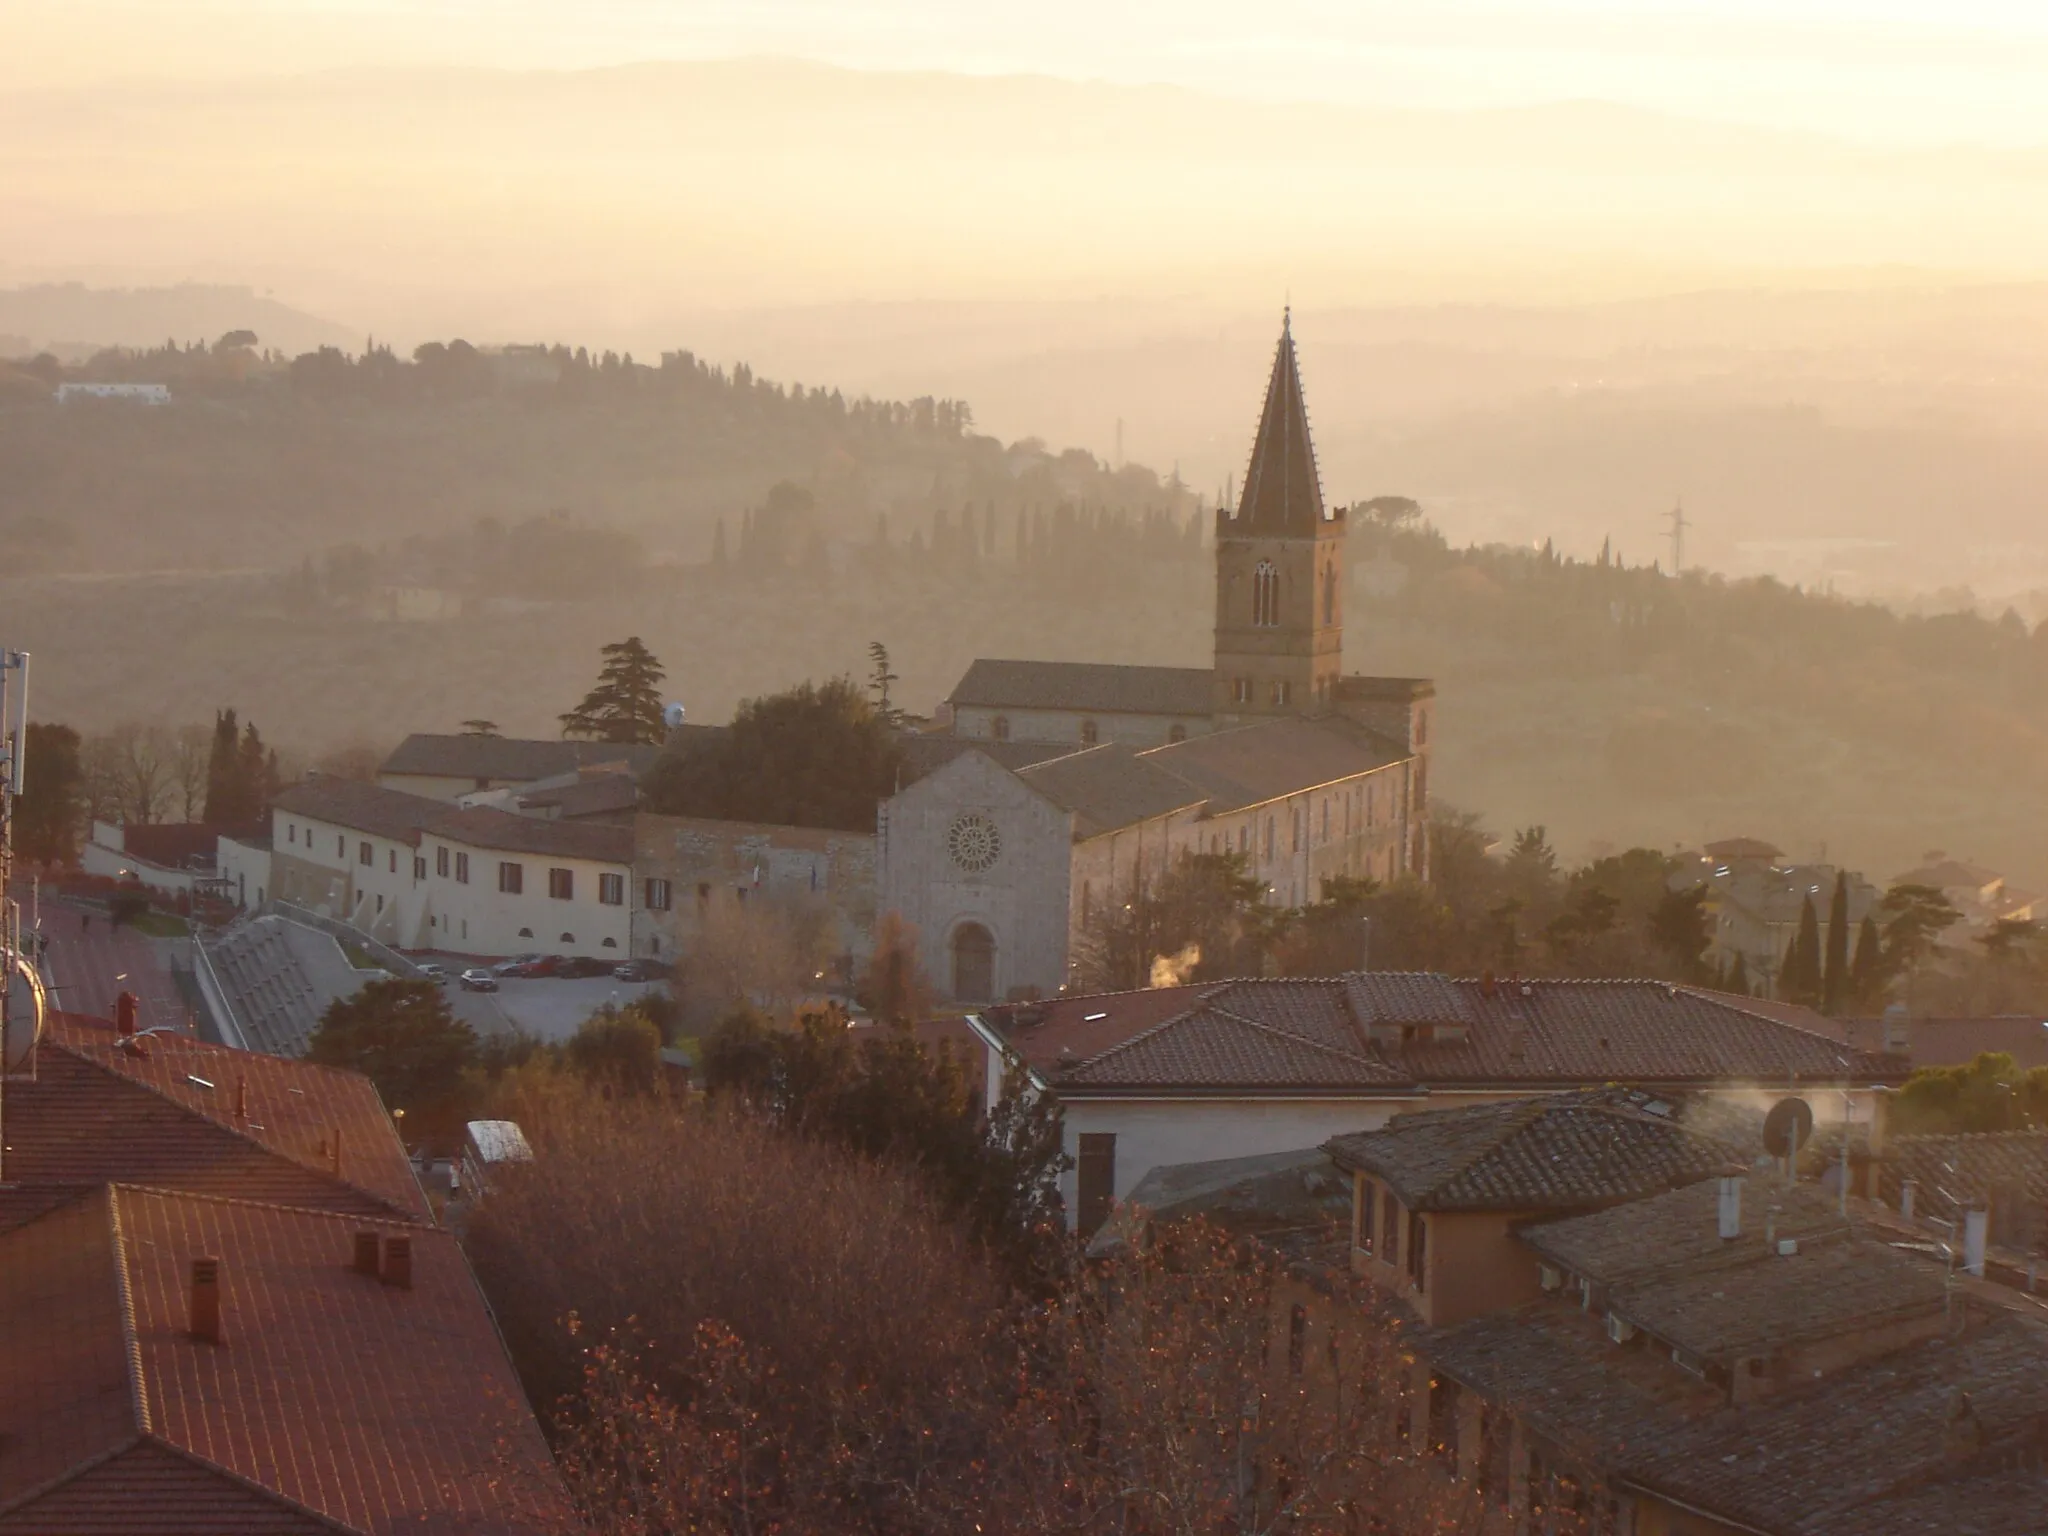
(583,965)
(478,980)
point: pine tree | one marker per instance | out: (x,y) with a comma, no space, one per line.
(1738,975)
(252,771)
(1834,989)
(625,706)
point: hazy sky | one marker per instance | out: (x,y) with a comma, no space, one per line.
(1898,71)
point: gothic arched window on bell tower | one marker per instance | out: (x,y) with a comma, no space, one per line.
(1265,596)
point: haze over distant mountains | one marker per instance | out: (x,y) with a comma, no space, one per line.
(1546,321)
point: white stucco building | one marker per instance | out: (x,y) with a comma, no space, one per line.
(419,873)
(1241,1068)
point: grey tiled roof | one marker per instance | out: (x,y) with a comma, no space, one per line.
(407,818)
(1215,1049)
(1558,1152)
(2004,1170)
(1087,687)
(1852,1452)
(1251,764)
(1680,1231)
(1282,492)
(512,758)
(1109,786)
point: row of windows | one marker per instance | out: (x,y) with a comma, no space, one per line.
(453,863)
(1091,732)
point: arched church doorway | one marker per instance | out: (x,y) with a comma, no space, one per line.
(974,964)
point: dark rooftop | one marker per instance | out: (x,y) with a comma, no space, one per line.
(510,759)
(1087,687)
(1558,1152)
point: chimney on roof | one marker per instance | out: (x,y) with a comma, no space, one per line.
(398,1261)
(1731,1207)
(241,1099)
(1906,1198)
(124,1014)
(206,1300)
(1976,1229)
(366,1255)
(334,1153)
(1487,986)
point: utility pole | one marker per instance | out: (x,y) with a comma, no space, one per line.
(1678,527)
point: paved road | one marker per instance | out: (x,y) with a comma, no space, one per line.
(89,963)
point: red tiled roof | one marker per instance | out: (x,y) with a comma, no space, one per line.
(94,1112)
(1369,1026)
(377,1408)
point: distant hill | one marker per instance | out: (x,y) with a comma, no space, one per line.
(75,321)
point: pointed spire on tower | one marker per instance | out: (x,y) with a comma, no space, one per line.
(1282,493)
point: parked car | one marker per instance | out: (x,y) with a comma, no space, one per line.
(433,972)
(582,965)
(511,967)
(538,965)
(476,979)
(633,970)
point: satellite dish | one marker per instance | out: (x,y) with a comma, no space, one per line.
(25,1004)
(1787,1126)
(671,715)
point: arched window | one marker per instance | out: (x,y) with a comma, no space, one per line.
(526,933)
(1090,733)
(1176,733)
(610,944)
(1265,595)
(568,938)
(1000,728)
(974,964)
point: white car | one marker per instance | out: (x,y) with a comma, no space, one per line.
(433,972)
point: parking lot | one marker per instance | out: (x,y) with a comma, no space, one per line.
(546,1007)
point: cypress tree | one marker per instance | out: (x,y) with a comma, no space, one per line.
(223,768)
(1834,990)
(1738,975)
(1799,979)
(1866,976)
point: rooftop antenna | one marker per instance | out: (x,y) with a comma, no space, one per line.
(1678,526)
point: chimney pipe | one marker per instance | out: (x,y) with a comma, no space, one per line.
(1731,1207)
(206,1300)
(124,1014)
(398,1262)
(241,1098)
(366,1254)
(1906,1199)
(335,1149)
(1976,1228)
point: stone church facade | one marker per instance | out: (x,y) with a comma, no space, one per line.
(1271,753)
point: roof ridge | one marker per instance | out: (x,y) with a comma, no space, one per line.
(1288,1034)
(306,1164)
(245,1202)
(131,1342)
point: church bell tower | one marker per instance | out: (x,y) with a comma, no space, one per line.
(1279,568)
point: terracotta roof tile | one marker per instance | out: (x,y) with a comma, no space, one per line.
(1251,764)
(95,1112)
(382,1409)
(1541,1033)
(1215,1049)
(150,1488)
